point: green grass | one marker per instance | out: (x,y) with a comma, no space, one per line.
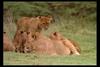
(30,59)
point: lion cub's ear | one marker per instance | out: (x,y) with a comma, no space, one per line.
(21,32)
(4,32)
(28,33)
(55,33)
(38,17)
(58,35)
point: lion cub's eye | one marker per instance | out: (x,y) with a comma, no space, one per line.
(4,32)
(55,33)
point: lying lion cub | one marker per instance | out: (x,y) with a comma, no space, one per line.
(7,44)
(73,46)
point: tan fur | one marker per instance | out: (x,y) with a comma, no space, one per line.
(68,43)
(34,24)
(59,46)
(22,22)
(40,45)
(19,40)
(75,44)
(45,21)
(7,44)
